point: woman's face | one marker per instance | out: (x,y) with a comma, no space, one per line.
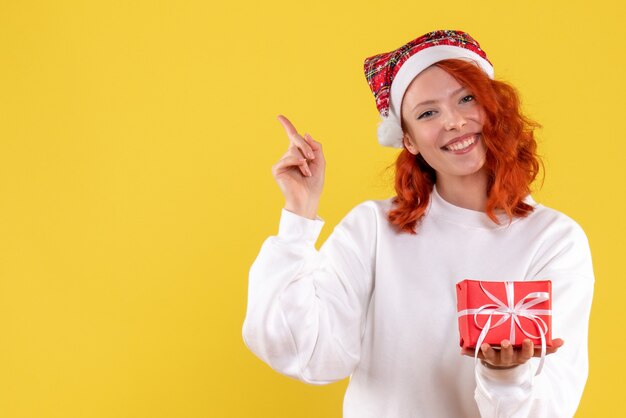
(443,122)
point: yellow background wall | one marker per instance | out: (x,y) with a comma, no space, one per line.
(136,143)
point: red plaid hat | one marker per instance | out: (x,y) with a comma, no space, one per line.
(389,74)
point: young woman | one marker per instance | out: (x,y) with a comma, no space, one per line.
(377,302)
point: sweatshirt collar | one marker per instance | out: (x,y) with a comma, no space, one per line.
(468,217)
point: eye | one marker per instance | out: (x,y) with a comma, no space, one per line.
(426,114)
(467,98)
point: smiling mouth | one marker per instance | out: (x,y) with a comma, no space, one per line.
(461,145)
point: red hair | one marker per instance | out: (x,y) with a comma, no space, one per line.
(512,162)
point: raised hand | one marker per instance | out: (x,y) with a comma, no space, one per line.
(507,356)
(300,172)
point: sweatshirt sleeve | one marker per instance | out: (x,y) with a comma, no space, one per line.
(306,309)
(557,390)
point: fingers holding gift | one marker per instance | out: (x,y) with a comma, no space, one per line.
(503,357)
(527,350)
(556,344)
(489,354)
(507,356)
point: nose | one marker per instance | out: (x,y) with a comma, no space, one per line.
(454,120)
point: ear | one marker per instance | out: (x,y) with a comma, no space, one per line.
(409,144)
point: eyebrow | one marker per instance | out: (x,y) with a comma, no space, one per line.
(454,93)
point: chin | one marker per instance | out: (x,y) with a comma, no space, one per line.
(478,168)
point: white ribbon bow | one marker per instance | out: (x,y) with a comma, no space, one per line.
(513,311)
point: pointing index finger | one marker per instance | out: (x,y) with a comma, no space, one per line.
(289,128)
(295,138)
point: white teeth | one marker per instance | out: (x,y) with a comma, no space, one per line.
(457,146)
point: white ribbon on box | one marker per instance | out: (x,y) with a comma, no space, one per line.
(513,311)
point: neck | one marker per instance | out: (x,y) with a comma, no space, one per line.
(468,192)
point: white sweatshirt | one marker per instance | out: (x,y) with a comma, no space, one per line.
(380,306)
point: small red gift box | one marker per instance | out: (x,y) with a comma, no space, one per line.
(504,310)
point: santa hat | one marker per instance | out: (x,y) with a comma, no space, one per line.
(389,74)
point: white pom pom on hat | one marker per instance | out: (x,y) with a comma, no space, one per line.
(389,74)
(390,132)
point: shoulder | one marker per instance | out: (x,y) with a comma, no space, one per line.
(377,207)
(373,210)
(560,242)
(368,215)
(553,222)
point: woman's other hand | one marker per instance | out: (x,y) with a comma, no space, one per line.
(300,172)
(508,356)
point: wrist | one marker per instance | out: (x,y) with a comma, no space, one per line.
(305,210)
